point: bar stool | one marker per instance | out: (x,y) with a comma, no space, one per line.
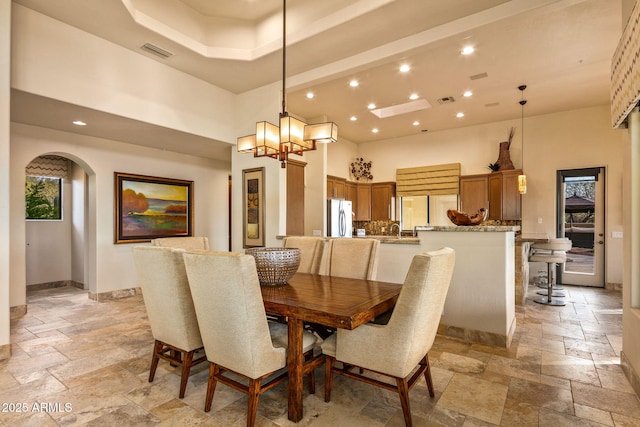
(552,252)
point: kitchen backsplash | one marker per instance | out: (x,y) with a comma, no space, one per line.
(376,228)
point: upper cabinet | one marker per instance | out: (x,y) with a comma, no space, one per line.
(382,201)
(474,193)
(351,192)
(336,187)
(497,192)
(504,199)
(363,202)
(370,202)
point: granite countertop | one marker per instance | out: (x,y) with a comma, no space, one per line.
(392,239)
(383,239)
(474,228)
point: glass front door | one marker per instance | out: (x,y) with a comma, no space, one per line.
(581,220)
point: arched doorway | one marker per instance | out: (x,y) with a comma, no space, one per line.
(61,251)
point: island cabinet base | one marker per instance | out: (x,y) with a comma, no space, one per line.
(480,305)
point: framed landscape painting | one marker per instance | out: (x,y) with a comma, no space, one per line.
(148,207)
(253,205)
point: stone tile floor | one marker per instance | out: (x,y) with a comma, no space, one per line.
(78,362)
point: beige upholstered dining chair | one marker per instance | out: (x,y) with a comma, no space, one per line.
(234,327)
(169,305)
(187,243)
(311,250)
(397,348)
(354,258)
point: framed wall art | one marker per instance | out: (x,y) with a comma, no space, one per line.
(148,207)
(253,207)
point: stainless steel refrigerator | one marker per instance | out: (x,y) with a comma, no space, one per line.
(339,218)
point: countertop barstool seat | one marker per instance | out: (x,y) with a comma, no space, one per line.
(552,252)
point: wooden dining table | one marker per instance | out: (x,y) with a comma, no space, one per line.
(336,302)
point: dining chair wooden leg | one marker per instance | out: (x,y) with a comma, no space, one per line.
(186,368)
(427,374)
(328,377)
(254,397)
(312,383)
(311,377)
(177,356)
(211,385)
(403,391)
(155,358)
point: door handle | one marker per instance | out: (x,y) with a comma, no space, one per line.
(600,242)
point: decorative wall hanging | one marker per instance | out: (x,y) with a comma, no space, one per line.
(253,207)
(148,207)
(361,170)
(504,157)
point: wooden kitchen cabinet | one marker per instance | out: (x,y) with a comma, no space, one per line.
(351,192)
(504,199)
(474,193)
(335,187)
(382,201)
(363,202)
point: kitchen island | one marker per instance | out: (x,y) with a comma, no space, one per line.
(480,305)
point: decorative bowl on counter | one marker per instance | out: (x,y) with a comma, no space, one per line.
(462,218)
(275,265)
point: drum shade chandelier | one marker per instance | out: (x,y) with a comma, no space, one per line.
(522,178)
(293,135)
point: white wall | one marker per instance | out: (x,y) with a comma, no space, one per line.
(79,220)
(341,155)
(58,61)
(113,264)
(565,140)
(48,244)
(5,229)
(631,289)
(56,250)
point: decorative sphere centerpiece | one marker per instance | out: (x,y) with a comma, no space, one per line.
(275,266)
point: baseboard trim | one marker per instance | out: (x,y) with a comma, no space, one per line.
(17,311)
(630,373)
(478,337)
(613,286)
(114,295)
(57,284)
(5,352)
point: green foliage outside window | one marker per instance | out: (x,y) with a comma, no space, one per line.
(42,198)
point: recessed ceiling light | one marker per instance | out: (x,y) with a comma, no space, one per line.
(467,50)
(460,115)
(404,68)
(353,118)
(353,83)
(467,93)
(79,123)
(413,96)
(375,130)
(371,106)
(310,95)
(416,123)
